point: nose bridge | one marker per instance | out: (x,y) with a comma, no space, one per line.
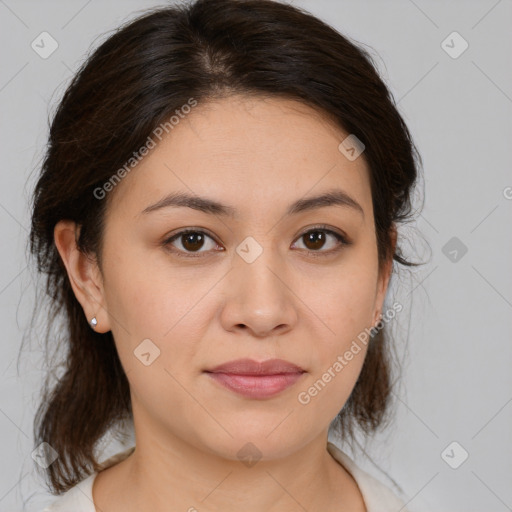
(260,296)
(258,267)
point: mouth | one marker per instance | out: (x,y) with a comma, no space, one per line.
(255,380)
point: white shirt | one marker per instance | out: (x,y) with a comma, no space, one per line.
(377,497)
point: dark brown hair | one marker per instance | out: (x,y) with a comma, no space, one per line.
(133,82)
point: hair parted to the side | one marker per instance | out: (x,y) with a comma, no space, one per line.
(129,85)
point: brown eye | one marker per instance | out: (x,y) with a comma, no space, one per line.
(191,241)
(316,239)
(196,243)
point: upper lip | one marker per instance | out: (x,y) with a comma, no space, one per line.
(251,367)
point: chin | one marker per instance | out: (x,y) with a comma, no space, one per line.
(248,445)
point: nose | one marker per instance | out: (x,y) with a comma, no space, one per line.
(259,297)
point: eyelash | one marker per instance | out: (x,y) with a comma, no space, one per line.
(342,241)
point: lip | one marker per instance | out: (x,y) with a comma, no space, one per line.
(251,367)
(256,380)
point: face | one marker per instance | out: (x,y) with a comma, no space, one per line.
(254,281)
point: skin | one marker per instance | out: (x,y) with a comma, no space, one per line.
(258,156)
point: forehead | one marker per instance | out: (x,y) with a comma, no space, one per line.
(248,152)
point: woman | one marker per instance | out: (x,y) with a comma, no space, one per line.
(217,217)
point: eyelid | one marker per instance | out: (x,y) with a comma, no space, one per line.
(170,238)
(326,227)
(341,237)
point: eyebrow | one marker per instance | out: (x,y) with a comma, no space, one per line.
(334,197)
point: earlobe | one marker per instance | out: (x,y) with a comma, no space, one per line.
(83,274)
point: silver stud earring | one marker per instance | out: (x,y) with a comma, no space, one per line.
(93,322)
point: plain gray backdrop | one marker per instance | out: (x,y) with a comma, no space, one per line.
(450,445)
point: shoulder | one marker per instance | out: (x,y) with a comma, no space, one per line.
(76,499)
(377,497)
(79,498)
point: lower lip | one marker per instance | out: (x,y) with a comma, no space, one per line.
(252,386)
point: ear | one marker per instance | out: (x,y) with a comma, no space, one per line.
(84,274)
(384,277)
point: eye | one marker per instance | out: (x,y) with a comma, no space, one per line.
(191,240)
(315,239)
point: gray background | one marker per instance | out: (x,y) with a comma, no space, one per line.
(457,384)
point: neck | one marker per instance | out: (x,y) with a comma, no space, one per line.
(171,472)
(179,476)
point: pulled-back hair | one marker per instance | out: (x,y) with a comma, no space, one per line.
(128,86)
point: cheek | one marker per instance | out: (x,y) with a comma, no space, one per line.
(340,353)
(155,302)
(344,299)
(350,307)
(345,304)
(146,293)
